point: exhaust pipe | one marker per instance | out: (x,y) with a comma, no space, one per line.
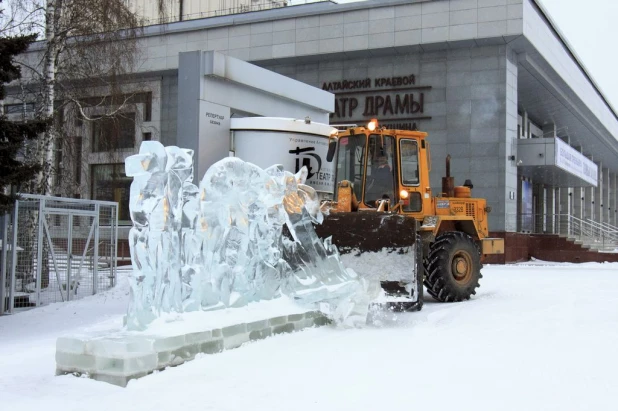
(448,182)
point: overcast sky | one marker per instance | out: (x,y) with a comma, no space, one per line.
(591,27)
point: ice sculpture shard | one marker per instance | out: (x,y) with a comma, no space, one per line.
(244,235)
(239,227)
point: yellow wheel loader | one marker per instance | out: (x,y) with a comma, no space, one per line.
(391,229)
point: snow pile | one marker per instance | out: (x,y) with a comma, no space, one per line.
(221,245)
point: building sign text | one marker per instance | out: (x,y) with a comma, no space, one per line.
(387,98)
(572,161)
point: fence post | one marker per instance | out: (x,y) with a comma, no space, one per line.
(95,270)
(69,287)
(13,258)
(4,234)
(39,251)
(114,235)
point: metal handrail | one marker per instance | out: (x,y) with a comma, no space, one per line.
(591,233)
(605,226)
(603,231)
(587,232)
(610,228)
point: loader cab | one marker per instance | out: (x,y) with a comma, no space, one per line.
(384,164)
(368,158)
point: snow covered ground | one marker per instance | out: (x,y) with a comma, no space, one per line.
(536,336)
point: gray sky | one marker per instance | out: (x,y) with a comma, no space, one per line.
(591,27)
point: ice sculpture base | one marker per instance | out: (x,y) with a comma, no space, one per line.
(120,356)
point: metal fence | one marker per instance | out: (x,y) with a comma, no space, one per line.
(55,249)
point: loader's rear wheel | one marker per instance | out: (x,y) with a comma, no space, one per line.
(453,267)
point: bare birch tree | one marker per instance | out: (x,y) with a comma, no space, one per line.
(89,51)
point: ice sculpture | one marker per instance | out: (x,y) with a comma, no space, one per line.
(244,235)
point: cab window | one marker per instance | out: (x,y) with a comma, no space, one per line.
(380,182)
(351,162)
(409,162)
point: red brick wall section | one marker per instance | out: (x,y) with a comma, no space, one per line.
(548,247)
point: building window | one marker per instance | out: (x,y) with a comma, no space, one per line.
(146,136)
(113,133)
(110,183)
(409,162)
(146,98)
(20,108)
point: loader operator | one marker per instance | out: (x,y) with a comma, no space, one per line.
(382,185)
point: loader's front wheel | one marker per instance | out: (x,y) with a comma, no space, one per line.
(453,267)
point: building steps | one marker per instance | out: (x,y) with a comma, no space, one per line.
(547,247)
(552,247)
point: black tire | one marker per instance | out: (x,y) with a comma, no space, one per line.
(453,267)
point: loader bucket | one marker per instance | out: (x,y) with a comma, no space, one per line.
(382,248)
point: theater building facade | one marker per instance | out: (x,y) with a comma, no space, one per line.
(493,82)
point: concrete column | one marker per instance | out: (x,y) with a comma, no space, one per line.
(510,147)
(557,208)
(578,202)
(589,193)
(588,199)
(605,196)
(613,197)
(615,200)
(550,209)
(578,197)
(538,208)
(564,207)
(597,198)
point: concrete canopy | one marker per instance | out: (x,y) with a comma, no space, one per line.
(213,87)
